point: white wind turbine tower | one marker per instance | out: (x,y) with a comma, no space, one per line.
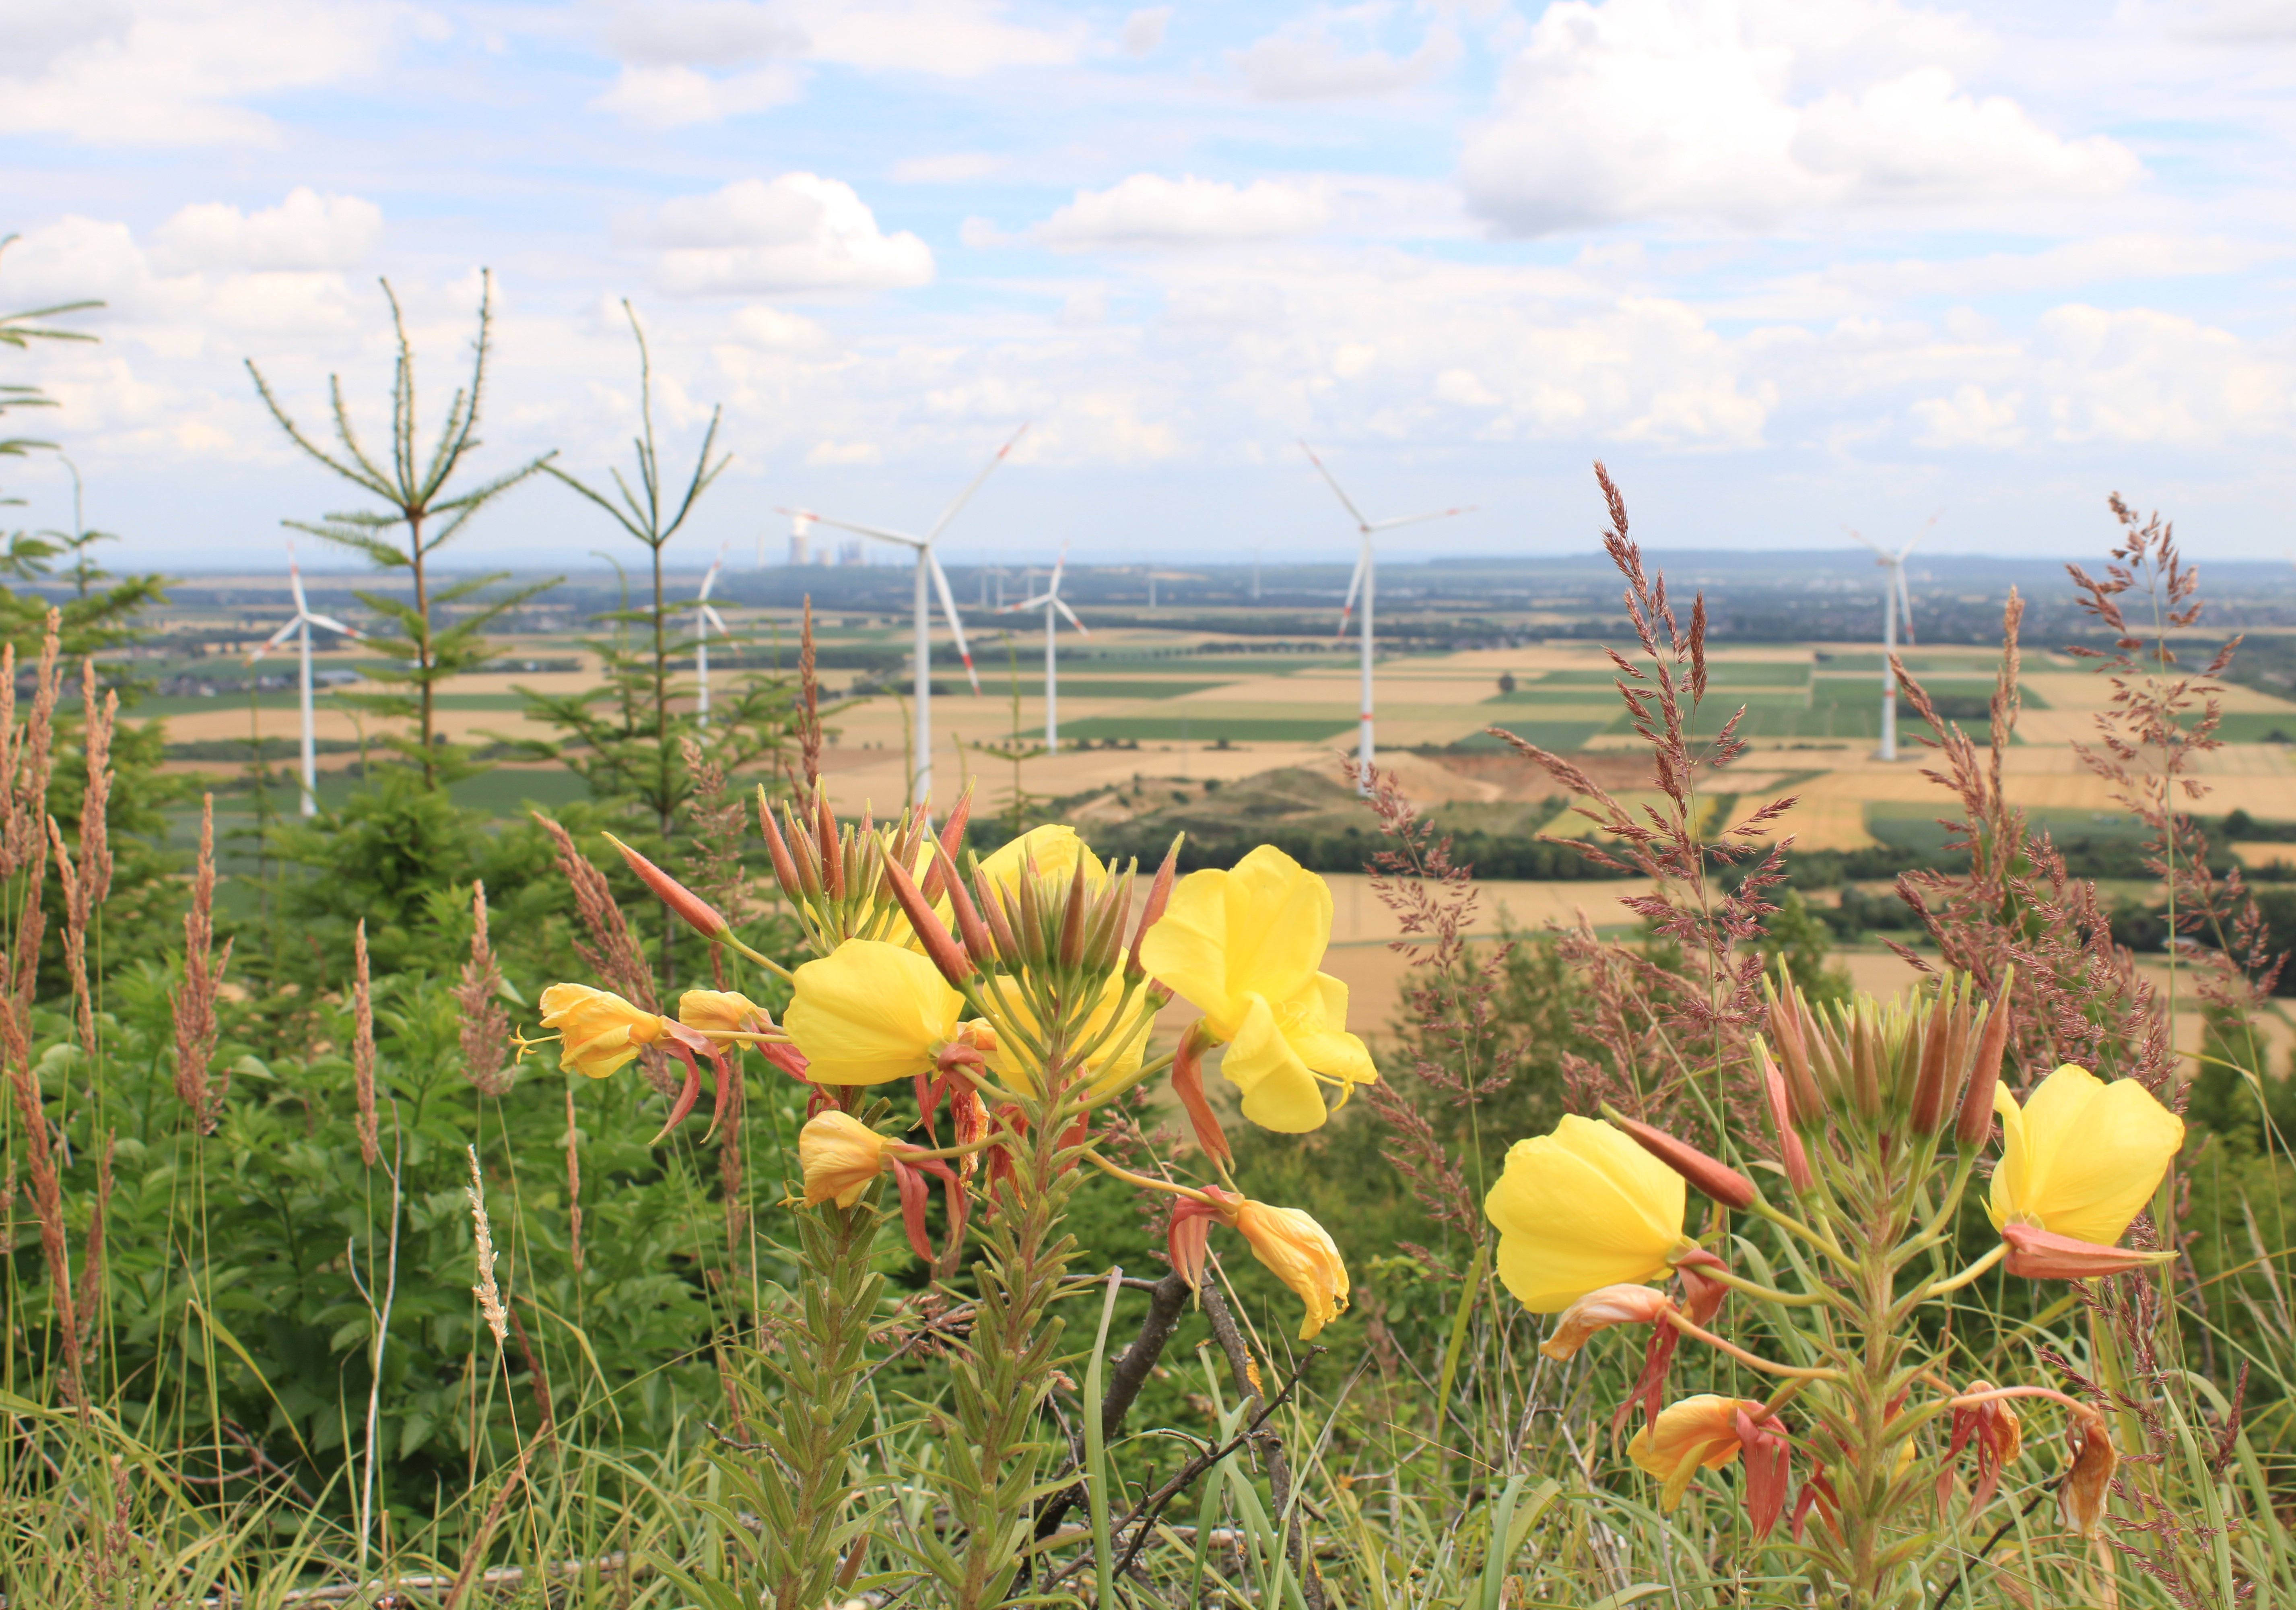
(707,618)
(931,578)
(299,627)
(1050,601)
(1363,583)
(1896,602)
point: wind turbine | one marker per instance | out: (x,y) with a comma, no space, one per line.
(931,578)
(705,617)
(1363,582)
(1050,601)
(299,627)
(1896,601)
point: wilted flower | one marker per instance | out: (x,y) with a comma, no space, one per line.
(1600,1310)
(1301,1255)
(2081,1495)
(722,1012)
(2081,1156)
(1244,948)
(839,1157)
(599,1031)
(1580,1208)
(870,1012)
(1992,1428)
(1699,1432)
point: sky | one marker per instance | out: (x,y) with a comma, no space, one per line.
(1787,268)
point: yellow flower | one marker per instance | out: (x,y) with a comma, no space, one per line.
(2081,1156)
(599,1031)
(1049,853)
(1694,1434)
(839,1155)
(870,1012)
(1110,1069)
(721,1012)
(1244,947)
(1296,1248)
(1582,1208)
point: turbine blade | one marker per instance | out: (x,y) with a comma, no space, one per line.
(1072,620)
(1053,590)
(1868,541)
(277,637)
(965,496)
(710,579)
(331,624)
(295,585)
(1355,585)
(1361,523)
(718,620)
(859,530)
(956,626)
(1038,602)
(1388,525)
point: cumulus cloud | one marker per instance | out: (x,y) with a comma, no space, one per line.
(172,72)
(699,33)
(2136,374)
(306,231)
(942,38)
(797,233)
(1685,109)
(1305,63)
(1149,211)
(1969,418)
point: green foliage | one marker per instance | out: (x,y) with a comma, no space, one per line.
(1804,941)
(438,634)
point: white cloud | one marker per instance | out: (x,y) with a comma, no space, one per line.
(169,72)
(1304,64)
(1682,109)
(2139,375)
(942,38)
(797,233)
(1149,210)
(844,452)
(306,231)
(1143,30)
(1969,418)
(670,97)
(949,168)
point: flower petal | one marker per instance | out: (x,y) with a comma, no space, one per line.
(1279,1092)
(1581,1208)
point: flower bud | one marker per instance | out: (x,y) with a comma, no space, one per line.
(785,870)
(696,912)
(945,952)
(832,858)
(970,930)
(1188,1085)
(1926,1109)
(1160,895)
(952,839)
(838,1156)
(1791,1151)
(1718,1179)
(1790,1027)
(722,1012)
(1975,1123)
(2039,1254)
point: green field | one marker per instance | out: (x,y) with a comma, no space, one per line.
(1210,726)
(1557,736)
(1096,688)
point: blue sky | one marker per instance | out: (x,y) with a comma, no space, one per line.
(1787,266)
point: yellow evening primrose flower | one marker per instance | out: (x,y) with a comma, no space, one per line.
(837,1155)
(1244,948)
(2081,1156)
(1581,1208)
(599,1031)
(1049,853)
(869,1013)
(1296,1249)
(1108,1070)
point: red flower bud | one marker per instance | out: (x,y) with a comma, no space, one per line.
(696,912)
(1976,1120)
(1160,895)
(1790,1147)
(1718,1179)
(943,950)
(2039,1254)
(1188,1085)
(784,868)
